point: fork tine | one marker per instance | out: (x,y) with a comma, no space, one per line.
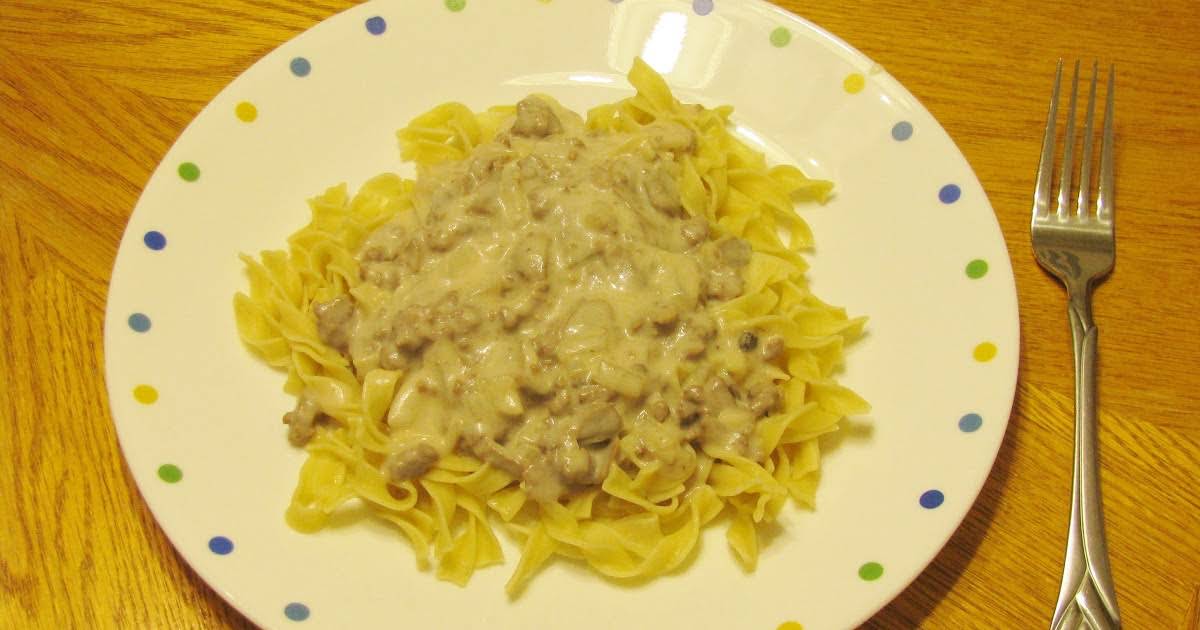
(1104,197)
(1068,168)
(1085,160)
(1041,194)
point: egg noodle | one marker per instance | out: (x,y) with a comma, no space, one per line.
(634,525)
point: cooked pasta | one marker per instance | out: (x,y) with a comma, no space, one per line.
(594,334)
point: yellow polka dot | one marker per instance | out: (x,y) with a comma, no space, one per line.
(854,83)
(790,625)
(246,111)
(985,351)
(145,394)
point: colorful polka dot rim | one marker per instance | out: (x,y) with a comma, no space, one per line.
(931,499)
(145,394)
(970,423)
(300,67)
(376,25)
(220,545)
(854,83)
(782,39)
(154,240)
(170,473)
(984,352)
(296,611)
(189,172)
(949,193)
(138,322)
(246,111)
(870,571)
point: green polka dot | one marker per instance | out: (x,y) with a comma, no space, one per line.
(189,172)
(780,37)
(870,571)
(977,269)
(170,473)
(456,5)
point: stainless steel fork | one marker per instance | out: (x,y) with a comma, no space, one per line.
(1077,245)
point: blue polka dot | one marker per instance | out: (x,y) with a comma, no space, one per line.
(296,611)
(301,67)
(902,130)
(702,7)
(970,423)
(220,545)
(931,499)
(139,322)
(376,25)
(949,193)
(154,240)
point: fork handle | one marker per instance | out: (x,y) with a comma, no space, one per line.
(1086,597)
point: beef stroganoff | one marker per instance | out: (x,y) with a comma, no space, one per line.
(587,331)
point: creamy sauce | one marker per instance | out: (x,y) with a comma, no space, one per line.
(550,306)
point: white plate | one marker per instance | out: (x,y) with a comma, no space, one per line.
(897,244)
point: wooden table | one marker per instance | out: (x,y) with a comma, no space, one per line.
(93,94)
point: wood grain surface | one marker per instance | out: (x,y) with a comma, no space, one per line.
(93,94)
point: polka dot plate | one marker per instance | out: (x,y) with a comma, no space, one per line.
(910,240)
